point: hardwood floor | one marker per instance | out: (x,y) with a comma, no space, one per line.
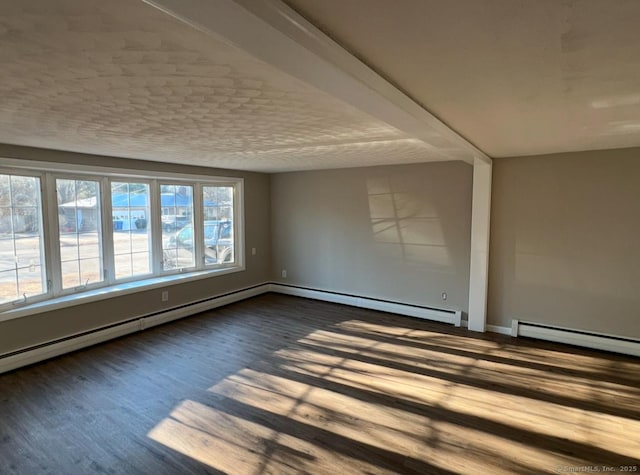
(280,384)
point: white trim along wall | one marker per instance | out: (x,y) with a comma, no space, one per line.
(27,356)
(55,348)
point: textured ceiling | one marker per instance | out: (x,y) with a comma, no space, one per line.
(121,78)
(515,77)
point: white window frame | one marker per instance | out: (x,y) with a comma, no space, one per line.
(49,172)
(151,219)
(54,224)
(237,201)
(179,270)
(45,259)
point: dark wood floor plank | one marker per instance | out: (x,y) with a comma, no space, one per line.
(279,384)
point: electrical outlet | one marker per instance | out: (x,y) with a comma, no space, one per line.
(444,296)
(165,295)
(253,251)
(284,273)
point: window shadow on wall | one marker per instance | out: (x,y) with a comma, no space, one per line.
(420,221)
(406,225)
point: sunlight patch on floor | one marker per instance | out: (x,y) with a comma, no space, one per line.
(334,398)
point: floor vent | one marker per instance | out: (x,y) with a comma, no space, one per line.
(616,344)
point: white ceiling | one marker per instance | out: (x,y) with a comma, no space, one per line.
(514,77)
(122,78)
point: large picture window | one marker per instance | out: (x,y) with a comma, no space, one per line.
(22,273)
(102,230)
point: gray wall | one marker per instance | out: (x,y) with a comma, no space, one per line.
(400,233)
(32,330)
(565,241)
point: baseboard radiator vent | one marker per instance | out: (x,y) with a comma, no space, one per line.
(616,344)
(453,317)
(54,348)
(51,349)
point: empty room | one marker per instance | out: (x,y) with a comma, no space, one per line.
(319,237)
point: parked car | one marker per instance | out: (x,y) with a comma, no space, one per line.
(218,241)
(172,222)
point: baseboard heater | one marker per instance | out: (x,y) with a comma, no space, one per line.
(27,356)
(616,344)
(453,317)
(51,349)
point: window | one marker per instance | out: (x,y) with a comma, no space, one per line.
(217,203)
(130,209)
(178,250)
(22,274)
(104,227)
(80,232)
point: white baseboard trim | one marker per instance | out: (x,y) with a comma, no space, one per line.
(209,304)
(491,328)
(56,348)
(627,346)
(51,350)
(499,329)
(453,317)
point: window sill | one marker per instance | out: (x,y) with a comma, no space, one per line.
(112,291)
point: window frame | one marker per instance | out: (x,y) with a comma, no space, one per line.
(49,172)
(151,219)
(178,270)
(56,277)
(234,224)
(45,258)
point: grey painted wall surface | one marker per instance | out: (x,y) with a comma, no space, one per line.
(565,241)
(400,233)
(35,329)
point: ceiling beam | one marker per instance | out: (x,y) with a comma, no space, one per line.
(274,33)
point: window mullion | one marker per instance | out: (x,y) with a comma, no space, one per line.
(52,238)
(108,262)
(156,228)
(12,212)
(198,225)
(238,222)
(45,266)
